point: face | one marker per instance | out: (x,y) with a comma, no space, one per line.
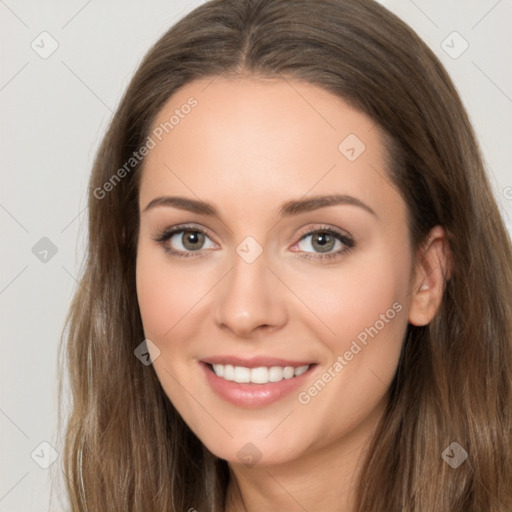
(273,267)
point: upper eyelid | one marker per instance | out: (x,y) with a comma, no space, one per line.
(338,232)
(186,227)
(307,231)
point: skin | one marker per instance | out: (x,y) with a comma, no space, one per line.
(250,145)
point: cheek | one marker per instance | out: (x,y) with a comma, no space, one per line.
(366,316)
(344,303)
(166,292)
(363,321)
(166,298)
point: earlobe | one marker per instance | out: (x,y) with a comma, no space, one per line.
(433,269)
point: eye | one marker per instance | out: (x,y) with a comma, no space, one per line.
(184,241)
(321,243)
(189,241)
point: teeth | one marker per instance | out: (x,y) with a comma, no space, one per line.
(219,370)
(275,374)
(242,375)
(260,375)
(229,373)
(301,369)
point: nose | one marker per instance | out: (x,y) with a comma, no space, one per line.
(251,299)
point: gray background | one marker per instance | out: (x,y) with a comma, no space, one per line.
(54,113)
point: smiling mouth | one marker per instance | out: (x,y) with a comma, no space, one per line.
(258,375)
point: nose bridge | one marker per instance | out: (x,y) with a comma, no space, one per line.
(249,296)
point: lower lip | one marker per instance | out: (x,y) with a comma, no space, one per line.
(253,395)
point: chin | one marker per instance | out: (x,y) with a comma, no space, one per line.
(251,450)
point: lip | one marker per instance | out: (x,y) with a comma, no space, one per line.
(250,395)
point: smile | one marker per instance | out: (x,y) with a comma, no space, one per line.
(255,383)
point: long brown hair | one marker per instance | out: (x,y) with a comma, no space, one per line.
(126,447)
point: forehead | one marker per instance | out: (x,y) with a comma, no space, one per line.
(264,139)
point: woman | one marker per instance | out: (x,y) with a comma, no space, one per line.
(297,288)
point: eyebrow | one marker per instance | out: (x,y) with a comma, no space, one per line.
(288,209)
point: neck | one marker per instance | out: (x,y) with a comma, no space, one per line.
(322,479)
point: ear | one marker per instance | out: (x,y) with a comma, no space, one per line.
(433,269)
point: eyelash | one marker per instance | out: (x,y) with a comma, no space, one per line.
(166,235)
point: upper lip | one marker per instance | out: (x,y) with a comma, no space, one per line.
(254,362)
